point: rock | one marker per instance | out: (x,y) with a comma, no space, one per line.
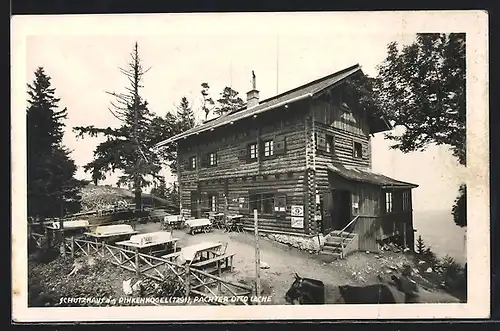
(264,265)
(393,267)
(421,262)
(428,270)
(127,289)
(406,250)
(91,261)
(367,252)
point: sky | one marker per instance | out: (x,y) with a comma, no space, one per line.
(222,51)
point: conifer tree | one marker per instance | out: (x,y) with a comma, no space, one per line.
(52,189)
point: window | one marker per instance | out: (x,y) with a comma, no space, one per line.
(263,202)
(358,150)
(252,151)
(212,159)
(324,142)
(329,144)
(388,202)
(213,202)
(406,200)
(268,148)
(355,204)
(192,162)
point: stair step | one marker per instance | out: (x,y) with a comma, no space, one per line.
(330,249)
(345,235)
(337,240)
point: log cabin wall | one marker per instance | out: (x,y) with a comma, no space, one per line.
(238,174)
(342,136)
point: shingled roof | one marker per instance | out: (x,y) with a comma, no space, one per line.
(367,176)
(302,92)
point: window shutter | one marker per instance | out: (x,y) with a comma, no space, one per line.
(279,145)
(364,150)
(243,152)
(204,160)
(321,141)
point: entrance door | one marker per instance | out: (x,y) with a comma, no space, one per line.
(341,211)
(327,213)
(194,203)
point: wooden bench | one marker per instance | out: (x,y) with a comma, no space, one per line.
(172,257)
(216,261)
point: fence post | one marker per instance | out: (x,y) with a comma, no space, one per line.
(257,254)
(187,280)
(137,262)
(72,247)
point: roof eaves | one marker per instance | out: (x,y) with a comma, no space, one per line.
(231,119)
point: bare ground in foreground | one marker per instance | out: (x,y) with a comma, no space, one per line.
(283,261)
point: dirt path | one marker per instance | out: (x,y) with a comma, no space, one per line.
(283,261)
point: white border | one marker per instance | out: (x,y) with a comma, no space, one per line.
(474,23)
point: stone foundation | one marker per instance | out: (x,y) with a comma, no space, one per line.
(300,242)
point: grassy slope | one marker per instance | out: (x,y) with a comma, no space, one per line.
(101,197)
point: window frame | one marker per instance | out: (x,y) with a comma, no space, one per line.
(266,143)
(355,150)
(192,162)
(389,202)
(212,202)
(256,150)
(265,202)
(210,159)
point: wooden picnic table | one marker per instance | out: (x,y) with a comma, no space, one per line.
(148,241)
(172,221)
(234,223)
(106,233)
(217,219)
(200,251)
(199,225)
(209,255)
(68,225)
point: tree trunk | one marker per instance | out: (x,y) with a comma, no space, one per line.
(137,197)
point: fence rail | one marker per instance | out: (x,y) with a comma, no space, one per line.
(194,281)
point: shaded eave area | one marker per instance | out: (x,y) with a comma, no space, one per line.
(367,176)
(310,90)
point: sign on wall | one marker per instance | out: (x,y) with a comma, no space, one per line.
(297,222)
(297,211)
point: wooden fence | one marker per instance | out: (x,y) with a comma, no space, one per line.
(195,282)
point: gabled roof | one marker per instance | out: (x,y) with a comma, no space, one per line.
(367,176)
(302,92)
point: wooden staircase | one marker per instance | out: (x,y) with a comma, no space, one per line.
(332,248)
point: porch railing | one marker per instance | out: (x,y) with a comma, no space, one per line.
(342,239)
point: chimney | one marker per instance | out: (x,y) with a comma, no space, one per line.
(253,94)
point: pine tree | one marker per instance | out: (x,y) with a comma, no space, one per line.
(52,188)
(129,148)
(185,115)
(420,246)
